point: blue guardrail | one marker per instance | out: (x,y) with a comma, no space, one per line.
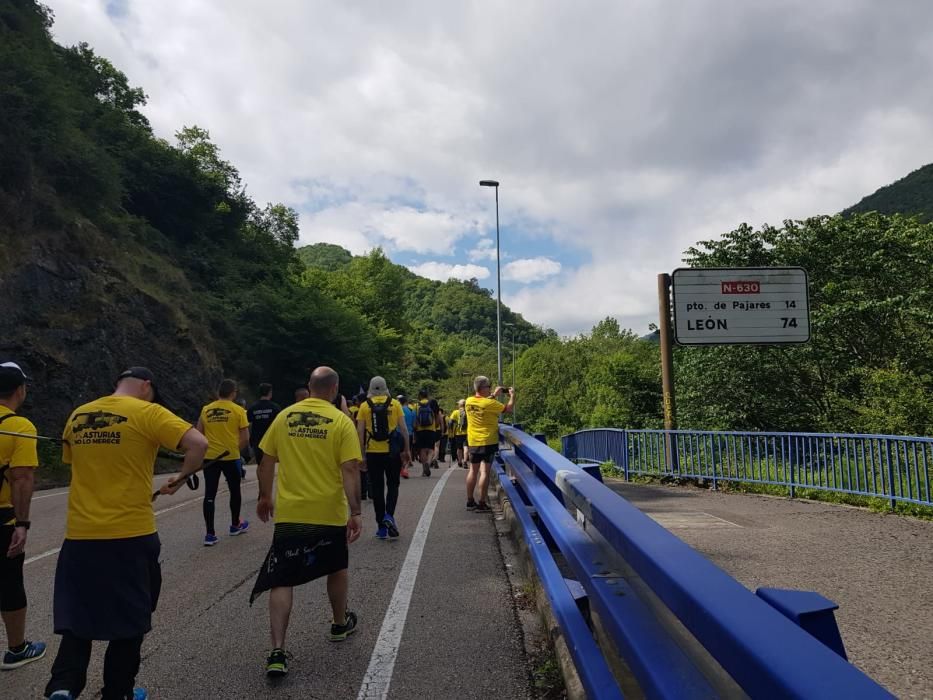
(655,618)
(892,467)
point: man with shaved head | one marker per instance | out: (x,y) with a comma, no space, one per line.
(317,508)
(108,577)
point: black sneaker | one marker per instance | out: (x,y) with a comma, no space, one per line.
(482,508)
(471,504)
(340,632)
(277,663)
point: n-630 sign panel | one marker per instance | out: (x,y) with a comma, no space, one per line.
(740,306)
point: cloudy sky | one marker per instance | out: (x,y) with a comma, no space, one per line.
(622,131)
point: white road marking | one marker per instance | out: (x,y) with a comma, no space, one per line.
(164,477)
(42,556)
(690,520)
(196,499)
(382,662)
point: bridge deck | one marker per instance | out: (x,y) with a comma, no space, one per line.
(460,638)
(877,567)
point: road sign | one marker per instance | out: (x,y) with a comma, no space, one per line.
(741,306)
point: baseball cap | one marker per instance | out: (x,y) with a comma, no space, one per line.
(12,376)
(377,387)
(146,375)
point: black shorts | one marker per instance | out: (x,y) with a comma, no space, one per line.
(483,454)
(107,589)
(301,553)
(12,590)
(425,439)
(459,441)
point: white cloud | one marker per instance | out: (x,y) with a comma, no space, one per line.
(442,272)
(655,125)
(485,250)
(528,270)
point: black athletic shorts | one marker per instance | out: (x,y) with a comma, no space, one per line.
(301,553)
(12,590)
(459,441)
(486,453)
(425,439)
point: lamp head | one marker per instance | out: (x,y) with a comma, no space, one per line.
(488,183)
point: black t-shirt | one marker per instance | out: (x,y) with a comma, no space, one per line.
(260,416)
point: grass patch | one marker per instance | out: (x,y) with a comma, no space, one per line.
(546,676)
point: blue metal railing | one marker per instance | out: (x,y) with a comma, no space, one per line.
(617,552)
(892,467)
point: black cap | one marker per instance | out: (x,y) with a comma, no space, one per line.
(12,377)
(146,375)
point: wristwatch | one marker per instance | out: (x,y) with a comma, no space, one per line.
(23,523)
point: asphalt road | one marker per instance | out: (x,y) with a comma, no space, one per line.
(878,568)
(459,636)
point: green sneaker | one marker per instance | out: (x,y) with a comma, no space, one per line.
(277,663)
(340,632)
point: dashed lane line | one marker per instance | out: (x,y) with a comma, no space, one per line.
(382,662)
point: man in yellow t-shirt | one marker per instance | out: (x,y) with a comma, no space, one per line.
(18,462)
(458,422)
(226,427)
(483,436)
(108,577)
(318,455)
(427,430)
(384,443)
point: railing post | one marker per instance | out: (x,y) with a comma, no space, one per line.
(625,454)
(792,444)
(890,464)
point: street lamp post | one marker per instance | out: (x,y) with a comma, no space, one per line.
(495,184)
(512,326)
(469,376)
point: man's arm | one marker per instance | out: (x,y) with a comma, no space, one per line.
(510,406)
(350,471)
(22,481)
(244,437)
(194,445)
(361,433)
(265,473)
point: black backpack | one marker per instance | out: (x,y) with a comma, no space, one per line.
(379,426)
(425,417)
(461,419)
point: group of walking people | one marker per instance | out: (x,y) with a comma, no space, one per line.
(313,460)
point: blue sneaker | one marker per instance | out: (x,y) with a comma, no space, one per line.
(382,533)
(210,540)
(239,529)
(140,694)
(388,522)
(33,651)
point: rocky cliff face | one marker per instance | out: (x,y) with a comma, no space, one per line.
(79,307)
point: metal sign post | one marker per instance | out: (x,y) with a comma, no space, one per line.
(667,368)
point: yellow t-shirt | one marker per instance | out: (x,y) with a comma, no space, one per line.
(15,452)
(483,421)
(365,416)
(354,410)
(222,421)
(111,444)
(455,429)
(310,440)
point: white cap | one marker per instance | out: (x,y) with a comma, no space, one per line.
(377,387)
